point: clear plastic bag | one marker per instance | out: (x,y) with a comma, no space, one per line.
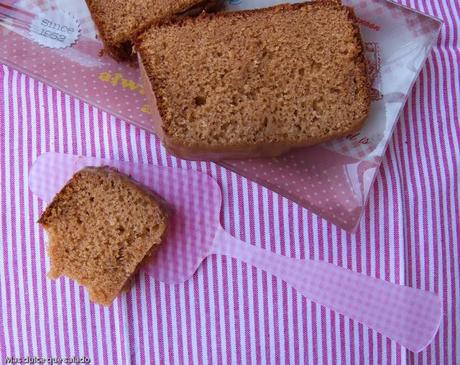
(55,41)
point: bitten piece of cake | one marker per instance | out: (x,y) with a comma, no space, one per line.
(101,226)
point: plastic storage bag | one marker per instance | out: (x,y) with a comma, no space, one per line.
(55,41)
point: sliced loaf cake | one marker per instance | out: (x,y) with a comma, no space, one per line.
(256,83)
(101,226)
(120,21)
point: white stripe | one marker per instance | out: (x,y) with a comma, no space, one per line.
(365,270)
(279,283)
(118,329)
(105,317)
(219,283)
(309,320)
(309,315)
(373,269)
(126,325)
(432,209)
(164,323)
(392,215)
(239,271)
(154,321)
(290,291)
(131,130)
(398,165)
(202,314)
(228,268)
(183,324)
(69,125)
(124,142)
(382,246)
(193,327)
(77,125)
(105,135)
(212,300)
(355,333)
(113,135)
(259,285)
(143,147)
(27,229)
(97,318)
(423,241)
(135,347)
(89,330)
(97,128)
(175,324)
(347,334)
(59,116)
(300,313)
(249,283)
(36,243)
(272,355)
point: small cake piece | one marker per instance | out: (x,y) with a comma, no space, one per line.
(120,21)
(101,226)
(258,82)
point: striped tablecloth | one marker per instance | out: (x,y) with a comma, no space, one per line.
(230,313)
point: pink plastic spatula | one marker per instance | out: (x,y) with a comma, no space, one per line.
(408,316)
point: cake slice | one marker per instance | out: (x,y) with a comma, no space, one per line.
(120,21)
(256,83)
(101,226)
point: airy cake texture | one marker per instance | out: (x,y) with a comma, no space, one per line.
(101,226)
(256,83)
(120,21)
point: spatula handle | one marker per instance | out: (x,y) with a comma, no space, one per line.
(408,316)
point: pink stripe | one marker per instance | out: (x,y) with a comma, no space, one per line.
(19,185)
(14,289)
(5,324)
(169,323)
(207,308)
(2,167)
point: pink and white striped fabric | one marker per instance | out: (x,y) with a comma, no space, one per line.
(231,313)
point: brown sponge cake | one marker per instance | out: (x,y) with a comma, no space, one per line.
(120,21)
(101,226)
(256,83)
